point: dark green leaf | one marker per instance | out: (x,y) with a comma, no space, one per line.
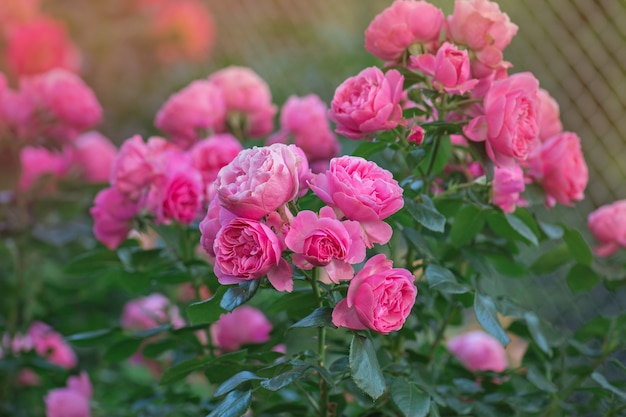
(540,381)
(578,247)
(415,157)
(234,381)
(151,332)
(237,295)
(92,338)
(207,311)
(411,401)
(505,264)
(123,349)
(552,260)
(467,223)
(553,231)
(367,149)
(521,228)
(419,243)
(282,380)
(582,278)
(93,262)
(235,404)
(444,280)
(365,369)
(426,214)
(600,379)
(412,112)
(320,317)
(182,369)
(487,316)
(534,327)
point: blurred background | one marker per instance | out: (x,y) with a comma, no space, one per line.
(134,54)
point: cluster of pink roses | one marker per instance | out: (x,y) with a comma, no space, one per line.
(461,57)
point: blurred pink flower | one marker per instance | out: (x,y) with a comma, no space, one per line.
(149,312)
(51,346)
(478,351)
(210,155)
(94,154)
(72,401)
(507,185)
(38,163)
(112,215)
(244,325)
(608,226)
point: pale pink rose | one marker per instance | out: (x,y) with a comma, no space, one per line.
(560,168)
(478,351)
(510,124)
(216,216)
(51,346)
(39,45)
(400,25)
(183,30)
(379,298)
(449,68)
(362,191)
(244,325)
(248,249)
(210,155)
(248,100)
(326,241)
(190,113)
(259,180)
(94,154)
(367,103)
(182,196)
(608,225)
(65,402)
(507,185)
(39,163)
(112,214)
(549,116)
(482,27)
(149,312)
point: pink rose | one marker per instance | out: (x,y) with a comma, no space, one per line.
(216,216)
(362,191)
(478,351)
(400,25)
(190,113)
(210,155)
(81,383)
(327,242)
(450,69)
(248,100)
(131,171)
(149,312)
(246,250)
(37,163)
(65,402)
(507,185)
(510,124)
(608,226)
(259,180)
(367,103)
(379,298)
(112,214)
(94,154)
(182,196)
(244,325)
(416,135)
(560,168)
(549,116)
(51,346)
(482,27)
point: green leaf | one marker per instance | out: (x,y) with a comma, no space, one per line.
(365,369)
(540,381)
(282,380)
(505,264)
(600,379)
(93,262)
(582,278)
(521,228)
(426,214)
(487,316)
(552,260)
(553,231)
(123,349)
(467,223)
(419,243)
(444,280)
(415,157)
(182,369)
(578,247)
(207,311)
(411,401)
(237,295)
(235,404)
(367,149)
(320,317)
(234,381)
(534,327)
(93,338)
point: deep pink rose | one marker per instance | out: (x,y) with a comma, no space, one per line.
(210,155)
(478,351)
(248,100)
(400,25)
(65,402)
(131,171)
(244,325)
(37,163)
(248,249)
(193,111)
(259,180)
(182,196)
(148,312)
(51,346)
(94,154)
(510,124)
(326,241)
(367,103)
(608,226)
(112,215)
(560,168)
(379,298)
(416,135)
(449,68)
(507,185)
(549,116)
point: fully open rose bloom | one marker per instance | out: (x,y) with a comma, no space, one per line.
(182,196)
(71,401)
(367,103)
(379,298)
(478,351)
(259,180)
(608,226)
(400,25)
(244,325)
(510,121)
(112,216)
(248,249)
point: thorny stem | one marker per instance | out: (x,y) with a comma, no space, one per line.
(321,347)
